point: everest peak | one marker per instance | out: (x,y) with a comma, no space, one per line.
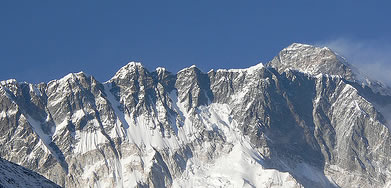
(312,60)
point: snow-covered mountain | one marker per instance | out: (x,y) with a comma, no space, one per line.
(13,175)
(305,119)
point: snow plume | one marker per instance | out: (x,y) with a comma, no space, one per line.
(372,58)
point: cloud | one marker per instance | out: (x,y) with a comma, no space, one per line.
(373,58)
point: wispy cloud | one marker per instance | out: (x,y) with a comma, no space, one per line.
(372,58)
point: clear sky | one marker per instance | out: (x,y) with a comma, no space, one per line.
(42,40)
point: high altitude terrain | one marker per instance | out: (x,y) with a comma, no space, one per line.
(12,175)
(306,118)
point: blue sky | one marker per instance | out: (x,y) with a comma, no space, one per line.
(46,39)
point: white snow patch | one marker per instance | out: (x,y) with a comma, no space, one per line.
(3,114)
(78,115)
(160,70)
(45,138)
(61,126)
(88,140)
(8,113)
(37,127)
(9,81)
(140,133)
(89,170)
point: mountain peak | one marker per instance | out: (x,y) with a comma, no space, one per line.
(70,77)
(128,68)
(192,67)
(298,46)
(160,69)
(134,64)
(9,81)
(312,60)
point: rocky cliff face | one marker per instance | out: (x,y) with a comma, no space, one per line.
(307,118)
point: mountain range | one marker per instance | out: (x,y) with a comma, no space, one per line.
(307,118)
